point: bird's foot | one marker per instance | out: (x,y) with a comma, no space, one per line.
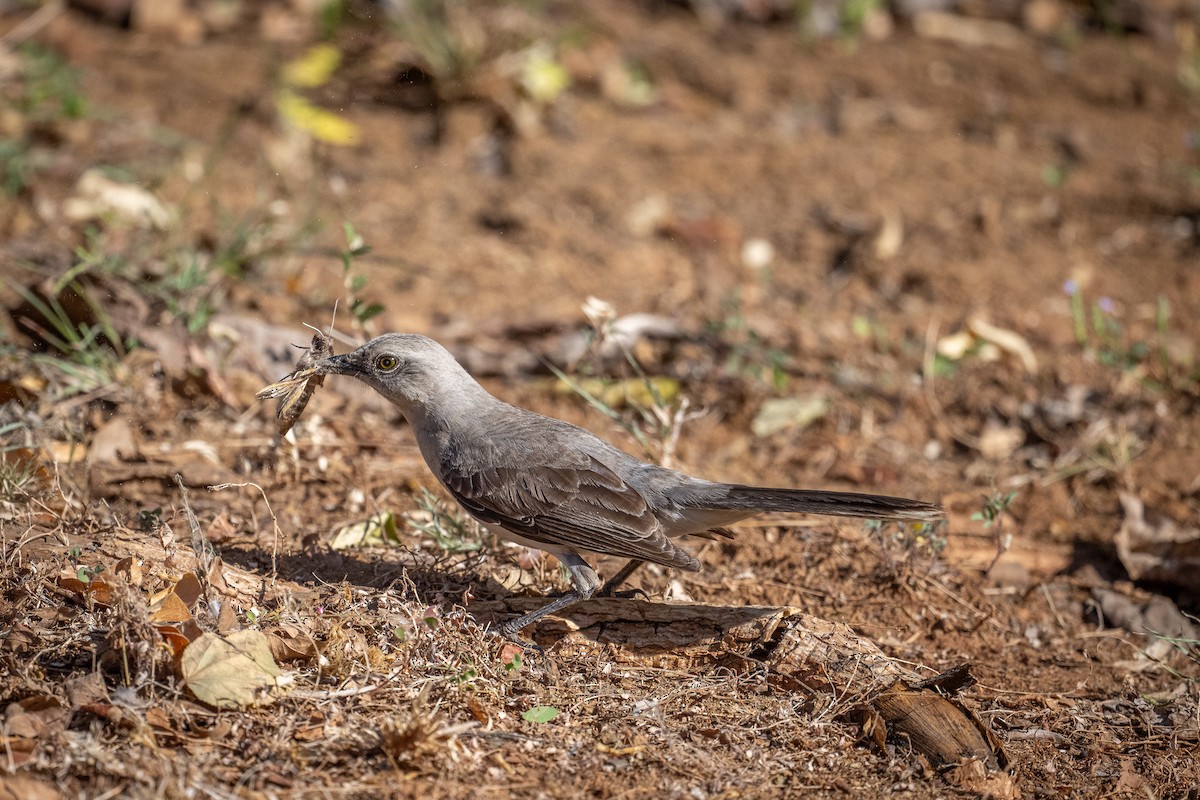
(512,635)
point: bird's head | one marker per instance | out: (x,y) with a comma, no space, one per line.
(406,368)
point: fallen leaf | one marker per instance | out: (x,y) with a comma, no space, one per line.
(113,442)
(1154,547)
(292,648)
(172,609)
(997,442)
(234,671)
(540,714)
(85,689)
(323,125)
(189,589)
(1010,342)
(33,716)
(97,592)
(314,68)
(227,620)
(955,346)
(542,77)
(310,733)
(509,652)
(654,391)
(130,569)
(19,787)
(174,639)
(788,412)
(890,237)
(98,196)
(375,530)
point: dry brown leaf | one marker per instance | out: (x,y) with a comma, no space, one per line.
(172,609)
(174,639)
(233,671)
(310,733)
(96,592)
(34,716)
(85,689)
(788,413)
(113,442)
(158,719)
(378,529)
(130,569)
(292,648)
(19,787)
(227,619)
(189,589)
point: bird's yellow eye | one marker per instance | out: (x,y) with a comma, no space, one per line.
(386,363)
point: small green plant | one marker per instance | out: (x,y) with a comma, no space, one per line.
(466,676)
(87,354)
(51,85)
(442,33)
(451,530)
(44,92)
(1098,330)
(853,16)
(1055,175)
(188,294)
(914,543)
(362,311)
(994,507)
(331,16)
(991,514)
(749,354)
(656,421)
(17,472)
(83,573)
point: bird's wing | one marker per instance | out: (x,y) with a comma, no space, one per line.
(581,506)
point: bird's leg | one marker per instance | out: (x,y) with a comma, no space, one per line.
(611,585)
(583,579)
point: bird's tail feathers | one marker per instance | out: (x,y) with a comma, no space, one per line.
(814,501)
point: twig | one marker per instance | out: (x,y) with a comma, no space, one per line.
(275,532)
(201,546)
(1053,610)
(32,24)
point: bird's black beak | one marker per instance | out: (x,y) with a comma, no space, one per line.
(345,364)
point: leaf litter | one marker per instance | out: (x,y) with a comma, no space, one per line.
(395,673)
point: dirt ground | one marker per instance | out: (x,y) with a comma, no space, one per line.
(950,255)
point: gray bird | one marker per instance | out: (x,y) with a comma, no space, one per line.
(551,485)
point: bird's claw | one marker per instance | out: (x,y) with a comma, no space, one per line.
(512,635)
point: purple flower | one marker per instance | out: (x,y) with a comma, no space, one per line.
(1106,305)
(1070,286)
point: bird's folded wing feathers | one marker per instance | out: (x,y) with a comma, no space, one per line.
(584,506)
